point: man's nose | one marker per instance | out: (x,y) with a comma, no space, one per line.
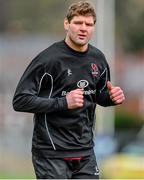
(83,27)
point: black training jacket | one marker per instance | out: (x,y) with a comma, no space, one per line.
(58,131)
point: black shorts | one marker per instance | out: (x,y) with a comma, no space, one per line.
(59,168)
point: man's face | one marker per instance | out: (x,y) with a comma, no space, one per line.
(79,29)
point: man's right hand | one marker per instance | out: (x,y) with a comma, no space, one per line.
(75,99)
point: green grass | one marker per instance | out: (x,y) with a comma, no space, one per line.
(8,175)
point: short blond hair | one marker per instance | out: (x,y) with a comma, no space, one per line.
(83,8)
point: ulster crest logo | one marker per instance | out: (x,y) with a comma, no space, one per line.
(94,69)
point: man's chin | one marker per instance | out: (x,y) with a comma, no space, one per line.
(81,43)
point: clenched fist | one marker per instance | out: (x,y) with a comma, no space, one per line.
(116,93)
(75,99)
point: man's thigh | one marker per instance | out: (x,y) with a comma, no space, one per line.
(50,168)
(88,169)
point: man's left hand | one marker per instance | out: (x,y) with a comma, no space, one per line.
(116,93)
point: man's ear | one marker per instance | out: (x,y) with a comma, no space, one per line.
(66,24)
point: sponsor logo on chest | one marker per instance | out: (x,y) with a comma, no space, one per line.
(82,84)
